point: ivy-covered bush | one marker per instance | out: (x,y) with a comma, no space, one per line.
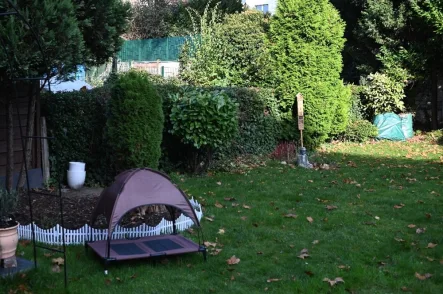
(259,122)
(76,120)
(356,111)
(383,94)
(135,124)
(306,38)
(360,131)
(229,51)
(203,118)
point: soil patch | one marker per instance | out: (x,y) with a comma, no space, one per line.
(78,206)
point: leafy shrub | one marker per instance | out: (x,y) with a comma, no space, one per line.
(135,125)
(228,52)
(340,120)
(259,122)
(383,94)
(244,56)
(203,118)
(8,202)
(360,131)
(356,111)
(76,120)
(307,40)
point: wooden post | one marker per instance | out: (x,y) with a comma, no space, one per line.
(45,152)
(301,117)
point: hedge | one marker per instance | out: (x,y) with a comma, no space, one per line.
(77,121)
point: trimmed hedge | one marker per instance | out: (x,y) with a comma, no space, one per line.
(135,123)
(77,121)
(86,113)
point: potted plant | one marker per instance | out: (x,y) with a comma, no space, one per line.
(8,228)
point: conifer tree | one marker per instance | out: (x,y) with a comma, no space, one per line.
(306,39)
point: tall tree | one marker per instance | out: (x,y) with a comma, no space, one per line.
(71,32)
(306,39)
(406,39)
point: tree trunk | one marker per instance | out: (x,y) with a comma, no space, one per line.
(10,145)
(29,133)
(434,100)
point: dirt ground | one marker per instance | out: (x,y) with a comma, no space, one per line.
(78,206)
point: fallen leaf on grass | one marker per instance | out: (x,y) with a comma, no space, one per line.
(309,273)
(58,261)
(108,282)
(331,207)
(24,243)
(221,231)
(304,254)
(423,277)
(405,289)
(334,281)
(233,260)
(411,226)
(118,279)
(209,244)
(232,278)
(135,275)
(259,253)
(290,215)
(48,254)
(209,219)
(428,215)
(430,259)
(315,242)
(273,280)
(244,217)
(399,240)
(431,245)
(420,230)
(377,218)
(399,206)
(229,198)
(215,251)
(346,267)
(218,205)
(190,231)
(310,219)
(219,183)
(246,207)
(56,268)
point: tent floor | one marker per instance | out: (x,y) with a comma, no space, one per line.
(145,247)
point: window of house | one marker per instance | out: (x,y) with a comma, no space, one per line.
(263,8)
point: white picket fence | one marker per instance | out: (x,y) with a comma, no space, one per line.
(80,236)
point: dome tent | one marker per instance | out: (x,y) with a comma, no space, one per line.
(132,189)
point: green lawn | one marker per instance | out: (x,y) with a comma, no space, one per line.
(378,190)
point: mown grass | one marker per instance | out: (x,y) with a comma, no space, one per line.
(365,240)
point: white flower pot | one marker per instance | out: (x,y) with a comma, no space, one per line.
(76,179)
(76,166)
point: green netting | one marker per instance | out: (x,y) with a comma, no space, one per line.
(393,127)
(165,49)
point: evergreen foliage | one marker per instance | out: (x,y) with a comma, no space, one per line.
(306,39)
(135,124)
(360,131)
(69,114)
(61,39)
(228,52)
(203,118)
(383,94)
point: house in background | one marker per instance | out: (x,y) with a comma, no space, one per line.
(262,5)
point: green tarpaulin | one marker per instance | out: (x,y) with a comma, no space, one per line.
(394,127)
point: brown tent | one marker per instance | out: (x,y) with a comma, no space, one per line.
(132,189)
(140,187)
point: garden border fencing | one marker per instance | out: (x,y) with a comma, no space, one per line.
(53,236)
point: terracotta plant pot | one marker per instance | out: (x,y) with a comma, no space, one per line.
(8,241)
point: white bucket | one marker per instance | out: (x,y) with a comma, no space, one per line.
(76,166)
(76,179)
